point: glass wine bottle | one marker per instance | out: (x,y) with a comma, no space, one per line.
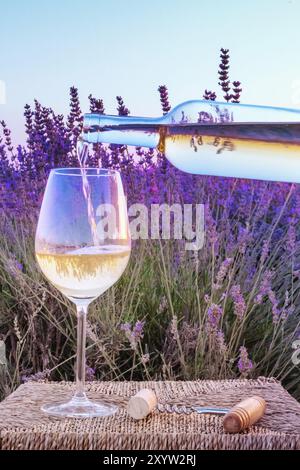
(212,138)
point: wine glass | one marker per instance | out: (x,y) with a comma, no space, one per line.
(82,246)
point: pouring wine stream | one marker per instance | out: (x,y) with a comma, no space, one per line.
(82,149)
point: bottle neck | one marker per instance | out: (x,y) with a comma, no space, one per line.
(123,130)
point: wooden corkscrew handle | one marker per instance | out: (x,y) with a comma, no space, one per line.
(244,414)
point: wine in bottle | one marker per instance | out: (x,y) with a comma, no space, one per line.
(212,138)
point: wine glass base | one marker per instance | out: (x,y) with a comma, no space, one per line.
(79,408)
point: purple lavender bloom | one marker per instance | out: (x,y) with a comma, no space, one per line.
(275,310)
(264,251)
(125,327)
(133,333)
(14,267)
(238,301)
(138,329)
(291,239)
(265,287)
(164,98)
(220,341)
(214,314)
(222,272)
(90,374)
(244,363)
(19,266)
(38,376)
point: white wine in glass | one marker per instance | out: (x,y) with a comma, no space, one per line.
(82,246)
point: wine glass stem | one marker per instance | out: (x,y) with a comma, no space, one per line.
(81,344)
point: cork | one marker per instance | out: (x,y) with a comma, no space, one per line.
(142,403)
(244,414)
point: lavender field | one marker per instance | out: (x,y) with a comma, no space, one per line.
(229,310)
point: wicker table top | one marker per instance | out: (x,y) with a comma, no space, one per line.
(24,426)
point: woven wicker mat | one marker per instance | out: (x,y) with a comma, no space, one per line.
(24,426)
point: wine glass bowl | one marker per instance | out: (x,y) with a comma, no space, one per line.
(82,246)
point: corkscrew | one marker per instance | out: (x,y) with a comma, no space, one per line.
(236,419)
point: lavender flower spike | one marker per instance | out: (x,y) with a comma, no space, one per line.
(238,302)
(214,315)
(244,363)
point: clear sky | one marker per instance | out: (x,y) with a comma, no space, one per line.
(129,47)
